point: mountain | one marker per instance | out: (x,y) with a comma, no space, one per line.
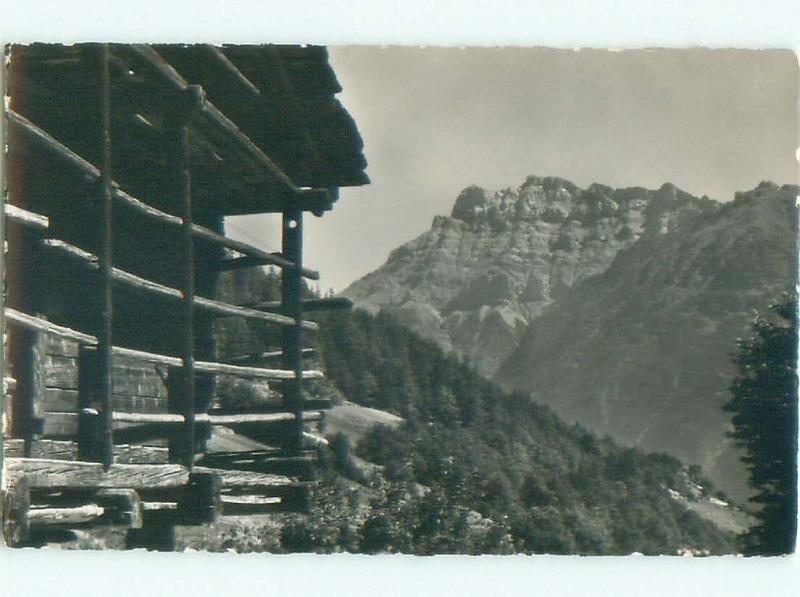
(620,308)
(475,280)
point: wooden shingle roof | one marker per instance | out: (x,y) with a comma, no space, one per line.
(279,99)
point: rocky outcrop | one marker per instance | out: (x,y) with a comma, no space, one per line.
(477,278)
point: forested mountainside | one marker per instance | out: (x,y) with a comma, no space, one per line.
(473,469)
(619,308)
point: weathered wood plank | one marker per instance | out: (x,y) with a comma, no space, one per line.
(138,454)
(43,448)
(64,425)
(66,400)
(60,346)
(233,479)
(49,473)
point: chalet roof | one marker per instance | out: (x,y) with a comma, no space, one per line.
(272,130)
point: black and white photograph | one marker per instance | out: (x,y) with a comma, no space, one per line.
(288,298)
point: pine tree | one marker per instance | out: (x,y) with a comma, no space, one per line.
(764,404)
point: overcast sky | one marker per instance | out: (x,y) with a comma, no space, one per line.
(437,120)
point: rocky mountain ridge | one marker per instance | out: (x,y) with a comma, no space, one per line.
(476,279)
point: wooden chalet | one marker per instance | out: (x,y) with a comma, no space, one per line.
(122,163)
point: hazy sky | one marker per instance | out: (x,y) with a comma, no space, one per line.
(437,120)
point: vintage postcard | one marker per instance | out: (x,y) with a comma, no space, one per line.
(353,299)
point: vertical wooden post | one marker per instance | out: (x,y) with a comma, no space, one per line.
(90,421)
(105,450)
(184,444)
(291,303)
(27,412)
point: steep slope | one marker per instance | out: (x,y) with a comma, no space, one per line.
(644,350)
(476,279)
(474,469)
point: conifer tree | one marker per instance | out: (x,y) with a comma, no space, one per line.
(764,404)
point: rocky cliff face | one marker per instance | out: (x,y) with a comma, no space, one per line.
(618,307)
(476,280)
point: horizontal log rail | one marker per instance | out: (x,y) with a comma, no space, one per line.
(133,281)
(200,232)
(322,304)
(174,419)
(26,218)
(35,323)
(264,356)
(69,517)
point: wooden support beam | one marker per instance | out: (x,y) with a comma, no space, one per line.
(182,393)
(201,499)
(103,452)
(27,408)
(16,503)
(157,532)
(292,305)
(236,75)
(92,173)
(90,261)
(53,474)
